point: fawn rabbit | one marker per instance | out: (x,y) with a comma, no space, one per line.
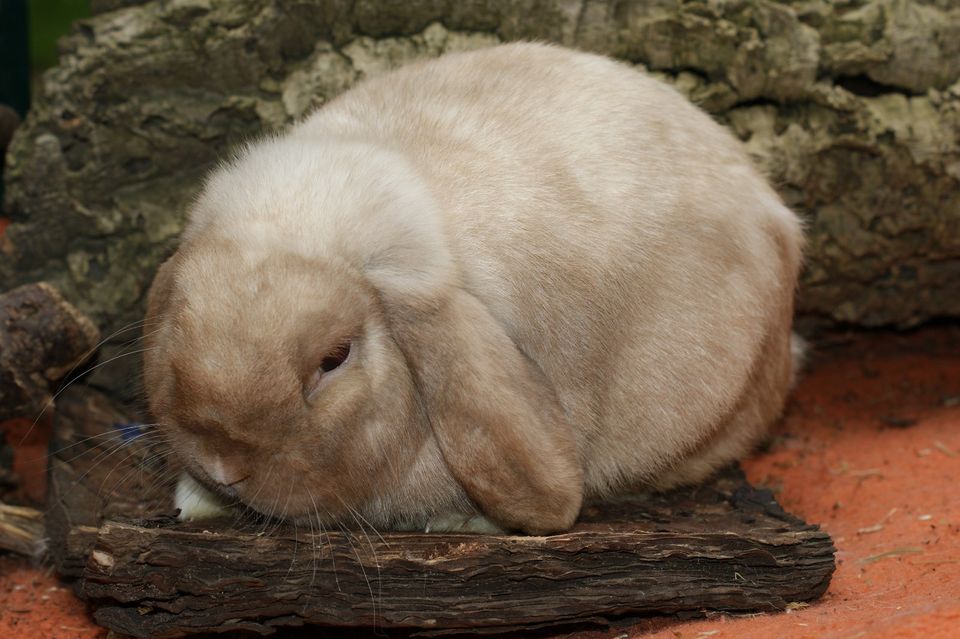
(469,293)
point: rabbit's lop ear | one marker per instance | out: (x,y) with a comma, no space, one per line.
(499,426)
(158,296)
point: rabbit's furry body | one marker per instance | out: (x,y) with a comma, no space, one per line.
(558,278)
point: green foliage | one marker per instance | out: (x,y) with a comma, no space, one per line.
(50,19)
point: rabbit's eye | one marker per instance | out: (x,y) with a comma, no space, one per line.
(335,358)
(330,363)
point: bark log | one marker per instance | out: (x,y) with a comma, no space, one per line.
(722,546)
(42,339)
(166,581)
(852,108)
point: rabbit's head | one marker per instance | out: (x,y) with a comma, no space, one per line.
(277,381)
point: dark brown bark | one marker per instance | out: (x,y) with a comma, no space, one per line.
(722,546)
(42,338)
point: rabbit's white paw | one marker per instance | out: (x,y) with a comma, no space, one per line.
(197,502)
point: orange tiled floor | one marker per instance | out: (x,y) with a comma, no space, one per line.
(869,448)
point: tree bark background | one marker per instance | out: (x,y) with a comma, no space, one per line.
(852,107)
(43,339)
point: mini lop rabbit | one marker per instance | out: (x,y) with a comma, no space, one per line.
(470,293)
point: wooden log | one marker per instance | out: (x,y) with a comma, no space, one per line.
(721,546)
(172,580)
(42,339)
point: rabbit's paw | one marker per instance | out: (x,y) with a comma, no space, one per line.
(197,502)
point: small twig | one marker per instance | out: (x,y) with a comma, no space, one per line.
(939,445)
(870,529)
(896,552)
(21,530)
(878,526)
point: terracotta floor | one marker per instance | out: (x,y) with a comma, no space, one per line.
(869,448)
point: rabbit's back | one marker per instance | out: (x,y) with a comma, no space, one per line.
(621,237)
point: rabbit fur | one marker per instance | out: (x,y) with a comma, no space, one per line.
(554,277)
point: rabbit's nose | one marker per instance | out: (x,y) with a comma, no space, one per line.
(227,475)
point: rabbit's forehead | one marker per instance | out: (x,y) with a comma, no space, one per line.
(260,338)
(217,384)
(227,274)
(250,322)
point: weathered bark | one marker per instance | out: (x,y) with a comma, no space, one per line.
(852,108)
(166,581)
(722,546)
(147,97)
(42,338)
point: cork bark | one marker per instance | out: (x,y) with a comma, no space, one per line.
(852,108)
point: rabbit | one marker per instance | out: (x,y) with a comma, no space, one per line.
(470,293)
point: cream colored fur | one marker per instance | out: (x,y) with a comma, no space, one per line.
(519,222)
